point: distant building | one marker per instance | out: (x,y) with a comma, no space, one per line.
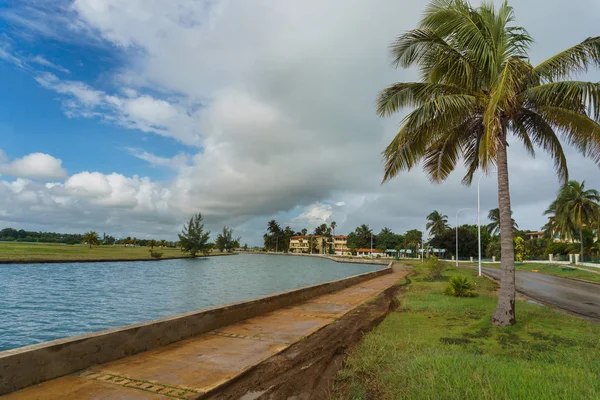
(338,244)
(371,252)
(534,235)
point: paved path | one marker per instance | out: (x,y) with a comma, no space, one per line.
(578,297)
(192,367)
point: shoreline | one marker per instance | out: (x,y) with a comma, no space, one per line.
(99,260)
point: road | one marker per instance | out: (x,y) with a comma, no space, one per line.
(577,297)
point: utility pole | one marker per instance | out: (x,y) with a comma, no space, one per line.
(456,256)
(371,244)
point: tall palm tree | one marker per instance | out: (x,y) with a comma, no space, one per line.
(494,226)
(437,224)
(90,238)
(333,225)
(477,87)
(574,209)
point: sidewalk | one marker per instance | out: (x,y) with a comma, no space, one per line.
(191,368)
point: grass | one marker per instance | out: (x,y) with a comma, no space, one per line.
(56,252)
(440,347)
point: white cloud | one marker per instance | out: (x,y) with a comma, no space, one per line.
(176,162)
(277,100)
(36,166)
(42,61)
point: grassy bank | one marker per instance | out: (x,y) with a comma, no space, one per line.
(440,347)
(20,252)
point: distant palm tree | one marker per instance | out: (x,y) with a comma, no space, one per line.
(163,243)
(574,209)
(90,238)
(494,226)
(152,243)
(438,223)
(304,232)
(333,225)
(478,87)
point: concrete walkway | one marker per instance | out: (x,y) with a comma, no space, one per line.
(190,368)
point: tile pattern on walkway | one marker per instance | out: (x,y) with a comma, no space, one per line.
(192,367)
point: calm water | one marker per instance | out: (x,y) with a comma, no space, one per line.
(41,302)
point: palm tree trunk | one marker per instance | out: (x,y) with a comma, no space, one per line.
(505,311)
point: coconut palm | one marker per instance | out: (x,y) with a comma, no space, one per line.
(333,225)
(90,238)
(152,243)
(494,226)
(437,224)
(574,209)
(478,87)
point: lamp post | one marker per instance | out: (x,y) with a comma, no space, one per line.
(479,221)
(459,210)
(371,244)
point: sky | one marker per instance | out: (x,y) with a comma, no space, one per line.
(127,117)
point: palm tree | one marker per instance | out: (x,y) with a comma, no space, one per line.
(90,238)
(477,86)
(152,243)
(333,225)
(437,224)
(574,209)
(494,226)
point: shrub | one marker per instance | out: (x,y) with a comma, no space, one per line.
(435,269)
(155,254)
(460,286)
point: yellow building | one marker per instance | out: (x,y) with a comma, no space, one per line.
(322,244)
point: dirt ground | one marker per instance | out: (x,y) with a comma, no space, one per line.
(307,369)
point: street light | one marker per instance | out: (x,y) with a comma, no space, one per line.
(479,221)
(461,209)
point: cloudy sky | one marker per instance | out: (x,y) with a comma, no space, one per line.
(126,117)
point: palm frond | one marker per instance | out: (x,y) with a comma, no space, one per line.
(574,60)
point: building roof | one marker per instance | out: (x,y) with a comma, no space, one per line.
(340,237)
(299,237)
(369,251)
(534,233)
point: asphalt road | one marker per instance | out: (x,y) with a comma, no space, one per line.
(573,296)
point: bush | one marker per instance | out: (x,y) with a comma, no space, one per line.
(155,254)
(435,269)
(460,286)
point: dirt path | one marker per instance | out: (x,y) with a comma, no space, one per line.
(307,369)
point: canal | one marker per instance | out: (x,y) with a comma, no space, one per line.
(41,302)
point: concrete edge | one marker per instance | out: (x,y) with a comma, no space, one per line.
(250,368)
(26,366)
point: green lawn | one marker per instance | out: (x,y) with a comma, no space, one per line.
(438,347)
(43,251)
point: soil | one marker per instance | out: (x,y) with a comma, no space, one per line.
(307,369)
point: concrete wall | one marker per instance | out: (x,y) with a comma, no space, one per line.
(29,365)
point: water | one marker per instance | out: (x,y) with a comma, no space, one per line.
(41,302)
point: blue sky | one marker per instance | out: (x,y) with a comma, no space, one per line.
(127,117)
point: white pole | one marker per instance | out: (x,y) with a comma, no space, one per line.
(371,244)
(456,256)
(479,222)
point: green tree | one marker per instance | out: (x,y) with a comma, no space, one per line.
(193,238)
(333,225)
(494,226)
(225,240)
(412,240)
(437,223)
(90,238)
(304,232)
(152,243)
(574,209)
(477,87)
